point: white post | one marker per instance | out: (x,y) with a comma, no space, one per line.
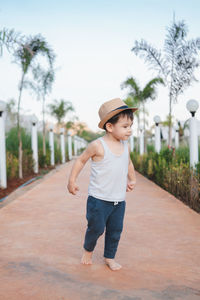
(192,106)
(34,143)
(69,142)
(176,137)
(3,174)
(51,145)
(62,144)
(194,157)
(131,143)
(157,120)
(82,144)
(78,144)
(157,138)
(141,141)
(75,145)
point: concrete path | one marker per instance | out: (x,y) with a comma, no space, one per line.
(41,236)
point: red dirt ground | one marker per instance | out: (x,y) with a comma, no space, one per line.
(14,183)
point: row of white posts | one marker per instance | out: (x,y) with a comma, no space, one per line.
(79,143)
(192,107)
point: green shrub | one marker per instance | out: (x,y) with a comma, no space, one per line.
(11,165)
(41,159)
(150,148)
(171,170)
(167,154)
(182,154)
(12,141)
(48,156)
(57,153)
(27,162)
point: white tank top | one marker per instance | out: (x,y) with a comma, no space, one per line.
(108,179)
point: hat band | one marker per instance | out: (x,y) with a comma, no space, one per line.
(121,107)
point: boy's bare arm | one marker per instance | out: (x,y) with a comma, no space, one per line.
(131,176)
(78,166)
(131,172)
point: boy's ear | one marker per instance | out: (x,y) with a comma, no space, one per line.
(109,127)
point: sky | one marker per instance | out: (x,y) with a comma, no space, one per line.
(92,41)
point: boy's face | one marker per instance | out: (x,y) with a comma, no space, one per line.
(122,129)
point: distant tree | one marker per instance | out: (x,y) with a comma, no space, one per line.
(69,125)
(41,85)
(25,56)
(168,120)
(132,101)
(25,49)
(80,128)
(175,64)
(181,128)
(90,135)
(10,39)
(59,109)
(11,111)
(142,95)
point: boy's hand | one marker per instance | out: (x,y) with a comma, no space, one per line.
(130,186)
(72,188)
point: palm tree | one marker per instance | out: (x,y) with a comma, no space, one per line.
(182,128)
(41,85)
(133,102)
(142,95)
(168,121)
(80,128)
(176,64)
(10,39)
(25,56)
(11,111)
(60,108)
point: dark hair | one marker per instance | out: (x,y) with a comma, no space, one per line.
(128,113)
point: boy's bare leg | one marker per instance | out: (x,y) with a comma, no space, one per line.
(86,258)
(112,264)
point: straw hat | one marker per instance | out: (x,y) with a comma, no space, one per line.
(112,108)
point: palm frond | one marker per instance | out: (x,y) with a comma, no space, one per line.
(132,84)
(44,79)
(151,56)
(10,39)
(149,90)
(32,47)
(60,108)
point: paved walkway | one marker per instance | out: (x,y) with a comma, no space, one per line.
(41,236)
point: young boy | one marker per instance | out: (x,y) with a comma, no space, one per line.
(112,175)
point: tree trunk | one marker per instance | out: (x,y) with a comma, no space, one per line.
(145,142)
(20,156)
(20,150)
(170,103)
(170,122)
(138,132)
(44,129)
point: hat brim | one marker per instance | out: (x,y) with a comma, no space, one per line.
(112,114)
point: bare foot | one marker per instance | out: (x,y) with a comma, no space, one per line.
(86,258)
(112,264)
